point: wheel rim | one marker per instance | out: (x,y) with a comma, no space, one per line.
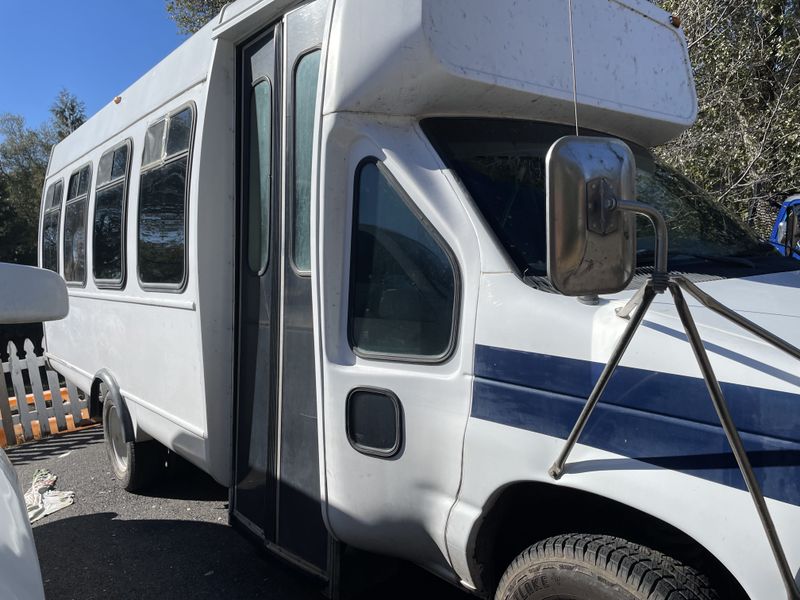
(118,447)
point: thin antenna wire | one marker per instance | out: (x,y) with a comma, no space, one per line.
(574,76)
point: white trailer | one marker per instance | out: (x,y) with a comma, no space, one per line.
(308,252)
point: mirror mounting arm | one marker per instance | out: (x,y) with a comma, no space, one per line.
(661,270)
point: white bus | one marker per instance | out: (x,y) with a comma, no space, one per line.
(308,253)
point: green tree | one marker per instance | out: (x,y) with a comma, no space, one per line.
(191,15)
(68,113)
(24,154)
(745,146)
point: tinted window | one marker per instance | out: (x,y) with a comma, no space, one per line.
(697,224)
(108,233)
(108,240)
(75,241)
(72,189)
(501,162)
(75,226)
(48,197)
(104,168)
(83,185)
(50,240)
(54,195)
(163,200)
(162,234)
(260,184)
(154,143)
(403,288)
(119,165)
(305,96)
(180,131)
(51,225)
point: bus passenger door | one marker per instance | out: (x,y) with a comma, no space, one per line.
(300,528)
(254,494)
(277,493)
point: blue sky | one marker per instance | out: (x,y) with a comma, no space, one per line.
(94,48)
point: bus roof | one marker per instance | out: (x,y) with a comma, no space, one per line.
(507,58)
(461,57)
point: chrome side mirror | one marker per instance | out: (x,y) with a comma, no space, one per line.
(31,295)
(591,245)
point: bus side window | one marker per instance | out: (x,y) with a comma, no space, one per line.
(110,207)
(404,283)
(259,191)
(75,210)
(52,225)
(163,200)
(306,77)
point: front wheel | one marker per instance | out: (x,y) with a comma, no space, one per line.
(135,464)
(599,567)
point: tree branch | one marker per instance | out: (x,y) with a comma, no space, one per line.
(766,130)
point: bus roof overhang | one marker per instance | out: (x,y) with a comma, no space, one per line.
(507,58)
(243,18)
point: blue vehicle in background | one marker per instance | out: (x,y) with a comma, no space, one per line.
(786,232)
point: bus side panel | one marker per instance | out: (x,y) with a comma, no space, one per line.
(678,469)
(215,264)
(150,341)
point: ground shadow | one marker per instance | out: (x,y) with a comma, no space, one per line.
(55,445)
(123,550)
(101,556)
(184,481)
(407,581)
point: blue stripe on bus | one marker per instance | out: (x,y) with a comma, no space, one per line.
(655,418)
(755,410)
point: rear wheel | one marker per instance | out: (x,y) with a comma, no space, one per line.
(599,567)
(136,464)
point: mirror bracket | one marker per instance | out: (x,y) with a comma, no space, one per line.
(600,205)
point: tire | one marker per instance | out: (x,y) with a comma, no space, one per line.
(599,567)
(136,465)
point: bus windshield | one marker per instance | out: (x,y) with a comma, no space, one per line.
(501,163)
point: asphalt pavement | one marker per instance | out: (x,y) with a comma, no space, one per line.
(173,543)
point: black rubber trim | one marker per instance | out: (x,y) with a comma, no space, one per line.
(103,376)
(398,412)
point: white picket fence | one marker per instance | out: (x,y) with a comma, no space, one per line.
(48,408)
